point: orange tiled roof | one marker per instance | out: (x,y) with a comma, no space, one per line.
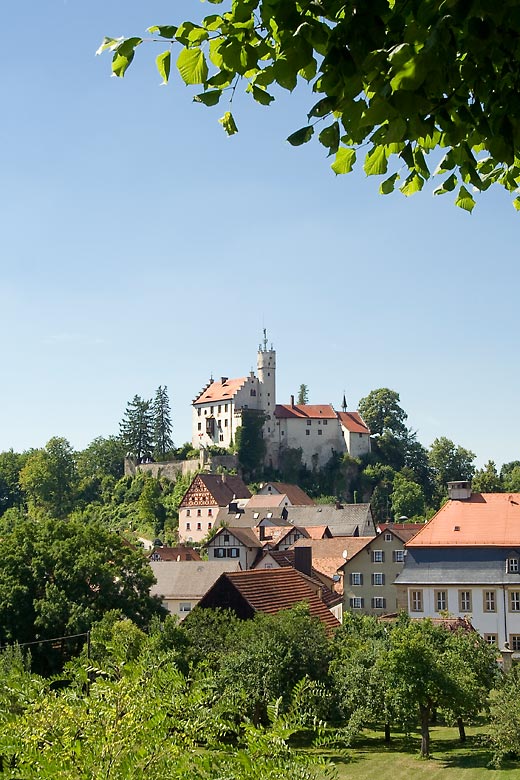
(353,422)
(274,500)
(220,391)
(271,590)
(294,493)
(484,520)
(309,411)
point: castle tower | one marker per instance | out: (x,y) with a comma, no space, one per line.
(266,368)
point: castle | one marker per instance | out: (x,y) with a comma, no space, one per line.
(317,429)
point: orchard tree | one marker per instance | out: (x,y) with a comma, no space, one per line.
(137,429)
(162,424)
(382,413)
(394,81)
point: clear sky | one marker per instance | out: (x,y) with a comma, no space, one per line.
(140,246)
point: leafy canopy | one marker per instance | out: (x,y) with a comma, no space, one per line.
(395,80)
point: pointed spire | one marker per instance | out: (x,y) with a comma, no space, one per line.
(344,404)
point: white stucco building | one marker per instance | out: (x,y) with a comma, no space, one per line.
(318,429)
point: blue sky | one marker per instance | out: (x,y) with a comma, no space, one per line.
(140,246)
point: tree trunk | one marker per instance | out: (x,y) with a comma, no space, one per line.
(425,731)
(387,733)
(462,730)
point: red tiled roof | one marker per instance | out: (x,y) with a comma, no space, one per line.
(175,553)
(220,391)
(327,554)
(403,531)
(484,520)
(223,487)
(271,590)
(309,411)
(353,422)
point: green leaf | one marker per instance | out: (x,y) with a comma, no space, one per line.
(120,64)
(414,183)
(109,43)
(209,98)
(516,203)
(166,31)
(192,66)
(447,186)
(329,137)
(301,136)
(163,62)
(261,96)
(322,107)
(375,161)
(228,123)
(465,200)
(344,162)
(388,185)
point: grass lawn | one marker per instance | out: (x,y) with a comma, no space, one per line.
(370,759)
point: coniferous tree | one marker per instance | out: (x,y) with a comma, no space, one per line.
(137,429)
(163,443)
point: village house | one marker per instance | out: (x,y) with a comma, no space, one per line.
(200,505)
(181,584)
(371,567)
(466,562)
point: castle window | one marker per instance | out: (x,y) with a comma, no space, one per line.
(210,512)
(211,410)
(325,422)
(188,527)
(199,512)
(252,392)
(188,513)
(199,412)
(320,432)
(225,407)
(221,437)
(308,433)
(209,526)
(225,423)
(199,427)
(309,422)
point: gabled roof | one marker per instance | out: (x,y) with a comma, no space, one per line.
(403,531)
(484,520)
(222,487)
(245,535)
(353,422)
(269,500)
(269,591)
(187,579)
(308,411)
(220,391)
(294,493)
(342,520)
(355,545)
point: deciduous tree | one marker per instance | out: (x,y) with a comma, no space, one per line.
(49,478)
(449,463)
(395,80)
(382,413)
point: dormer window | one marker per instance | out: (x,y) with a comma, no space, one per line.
(512,564)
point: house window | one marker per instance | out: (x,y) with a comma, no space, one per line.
(185,606)
(514,642)
(398,556)
(514,600)
(252,392)
(210,512)
(490,602)
(356,602)
(219,552)
(221,437)
(320,432)
(512,566)
(233,552)
(188,527)
(199,426)
(199,527)
(491,639)
(225,423)
(378,556)
(199,512)
(283,433)
(188,512)
(309,422)
(225,407)
(378,578)
(416,601)
(378,602)
(325,422)
(198,412)
(226,538)
(388,537)
(210,526)
(307,432)
(211,410)
(464,601)
(356,578)
(441,602)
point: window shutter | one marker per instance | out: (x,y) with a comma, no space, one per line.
(384,603)
(373,602)
(383,555)
(383,579)
(351,602)
(361,579)
(351,578)
(362,603)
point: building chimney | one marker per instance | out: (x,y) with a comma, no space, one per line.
(224,379)
(303,560)
(459,491)
(292,400)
